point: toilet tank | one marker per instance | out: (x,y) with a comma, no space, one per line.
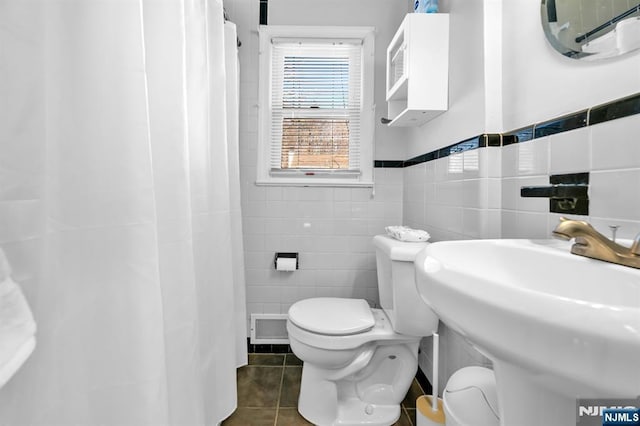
(397,290)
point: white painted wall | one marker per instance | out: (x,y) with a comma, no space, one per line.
(539,83)
(467,90)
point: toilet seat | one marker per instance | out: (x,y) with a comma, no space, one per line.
(381,329)
(332,316)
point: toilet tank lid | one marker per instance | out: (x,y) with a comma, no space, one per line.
(332,315)
(398,250)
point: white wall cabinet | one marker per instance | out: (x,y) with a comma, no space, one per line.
(418,69)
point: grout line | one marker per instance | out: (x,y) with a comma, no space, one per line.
(406,413)
(275,421)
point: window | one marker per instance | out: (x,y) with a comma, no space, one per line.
(316,106)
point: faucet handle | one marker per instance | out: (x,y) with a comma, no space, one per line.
(614,230)
(635,247)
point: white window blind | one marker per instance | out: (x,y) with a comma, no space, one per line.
(316,107)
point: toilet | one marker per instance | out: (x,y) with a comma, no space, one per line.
(358,361)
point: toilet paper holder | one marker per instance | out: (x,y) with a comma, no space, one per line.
(282,255)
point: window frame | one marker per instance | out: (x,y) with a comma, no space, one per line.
(334,178)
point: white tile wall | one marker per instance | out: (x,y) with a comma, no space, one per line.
(456,197)
(609,151)
(331,228)
(477,195)
(616,194)
(614,144)
(570,151)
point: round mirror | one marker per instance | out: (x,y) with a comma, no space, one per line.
(590,30)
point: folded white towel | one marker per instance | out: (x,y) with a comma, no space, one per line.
(17,327)
(404,233)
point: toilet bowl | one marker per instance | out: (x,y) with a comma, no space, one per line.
(359,362)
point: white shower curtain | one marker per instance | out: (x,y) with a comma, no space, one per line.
(233,137)
(115,211)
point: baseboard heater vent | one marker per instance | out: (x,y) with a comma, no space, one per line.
(269,329)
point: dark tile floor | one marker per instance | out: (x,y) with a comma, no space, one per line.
(268,393)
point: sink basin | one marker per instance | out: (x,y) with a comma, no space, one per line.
(557,326)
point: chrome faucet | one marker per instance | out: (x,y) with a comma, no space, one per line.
(591,243)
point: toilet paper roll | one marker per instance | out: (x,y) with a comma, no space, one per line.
(286,264)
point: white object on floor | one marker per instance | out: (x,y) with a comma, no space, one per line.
(17,327)
(404,233)
(471,399)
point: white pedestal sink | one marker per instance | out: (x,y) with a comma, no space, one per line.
(557,326)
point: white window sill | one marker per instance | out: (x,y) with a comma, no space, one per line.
(315,182)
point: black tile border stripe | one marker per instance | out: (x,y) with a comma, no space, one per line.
(465,145)
(389,164)
(267,348)
(560,124)
(481,141)
(490,139)
(264,6)
(613,110)
(516,136)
